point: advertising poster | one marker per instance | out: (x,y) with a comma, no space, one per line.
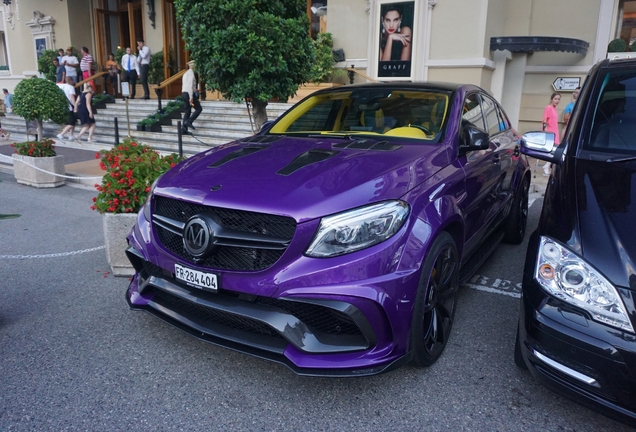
(396,37)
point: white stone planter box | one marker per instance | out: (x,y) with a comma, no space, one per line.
(25,170)
(116,228)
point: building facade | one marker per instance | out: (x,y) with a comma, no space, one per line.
(519,50)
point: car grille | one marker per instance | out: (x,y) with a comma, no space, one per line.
(316,317)
(227,257)
(207,316)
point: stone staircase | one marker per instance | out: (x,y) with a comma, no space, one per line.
(219,123)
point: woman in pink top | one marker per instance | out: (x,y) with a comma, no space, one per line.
(551,124)
(551,118)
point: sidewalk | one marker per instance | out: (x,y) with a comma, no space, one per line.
(78,162)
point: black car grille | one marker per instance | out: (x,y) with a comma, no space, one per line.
(226,257)
(316,317)
(208,317)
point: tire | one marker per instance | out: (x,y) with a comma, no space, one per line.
(435,302)
(521,364)
(518,218)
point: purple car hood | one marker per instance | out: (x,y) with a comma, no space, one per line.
(304,178)
(606,200)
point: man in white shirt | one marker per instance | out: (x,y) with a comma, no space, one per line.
(190,97)
(131,70)
(70,62)
(143,58)
(69,90)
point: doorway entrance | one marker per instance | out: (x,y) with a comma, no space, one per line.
(119,23)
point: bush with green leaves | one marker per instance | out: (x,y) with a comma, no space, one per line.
(249,49)
(617,45)
(45,64)
(41,100)
(323,68)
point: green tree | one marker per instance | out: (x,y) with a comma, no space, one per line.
(249,48)
(45,64)
(40,99)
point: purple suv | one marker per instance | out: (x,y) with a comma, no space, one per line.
(335,240)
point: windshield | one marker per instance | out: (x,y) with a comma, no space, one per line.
(418,114)
(614,122)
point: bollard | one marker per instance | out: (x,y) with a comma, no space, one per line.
(180,139)
(159,92)
(116,132)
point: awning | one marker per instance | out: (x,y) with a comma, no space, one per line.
(530,44)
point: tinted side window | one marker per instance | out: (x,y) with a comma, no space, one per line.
(471,111)
(614,124)
(490,112)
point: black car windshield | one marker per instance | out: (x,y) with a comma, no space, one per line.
(417,114)
(614,123)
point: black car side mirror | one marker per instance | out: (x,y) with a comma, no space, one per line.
(474,138)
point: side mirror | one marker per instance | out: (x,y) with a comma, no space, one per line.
(538,141)
(474,139)
(539,145)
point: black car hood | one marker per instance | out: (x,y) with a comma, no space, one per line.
(606,200)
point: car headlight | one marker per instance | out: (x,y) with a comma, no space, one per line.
(146,208)
(571,279)
(358,229)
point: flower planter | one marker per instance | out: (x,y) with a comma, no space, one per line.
(27,170)
(141,128)
(166,121)
(174,115)
(101,105)
(116,228)
(155,127)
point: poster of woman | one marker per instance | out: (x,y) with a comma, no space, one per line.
(396,39)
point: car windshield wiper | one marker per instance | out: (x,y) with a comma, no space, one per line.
(621,159)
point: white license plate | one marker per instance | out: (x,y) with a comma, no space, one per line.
(195,278)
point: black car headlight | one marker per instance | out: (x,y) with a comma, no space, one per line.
(570,278)
(357,229)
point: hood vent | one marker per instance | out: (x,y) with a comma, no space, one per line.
(307,158)
(261,139)
(363,144)
(237,154)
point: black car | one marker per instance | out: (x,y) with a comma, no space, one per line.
(577,318)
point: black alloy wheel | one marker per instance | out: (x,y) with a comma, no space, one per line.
(435,302)
(518,217)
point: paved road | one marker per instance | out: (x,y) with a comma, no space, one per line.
(73,357)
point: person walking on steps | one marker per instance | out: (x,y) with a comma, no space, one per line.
(190,97)
(85,113)
(69,90)
(143,59)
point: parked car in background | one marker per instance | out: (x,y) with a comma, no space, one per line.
(577,318)
(335,240)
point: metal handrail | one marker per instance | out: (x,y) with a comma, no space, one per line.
(91,78)
(351,71)
(164,83)
(172,79)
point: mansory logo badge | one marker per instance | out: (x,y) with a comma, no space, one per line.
(197,236)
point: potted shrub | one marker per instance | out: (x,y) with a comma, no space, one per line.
(40,99)
(131,168)
(36,164)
